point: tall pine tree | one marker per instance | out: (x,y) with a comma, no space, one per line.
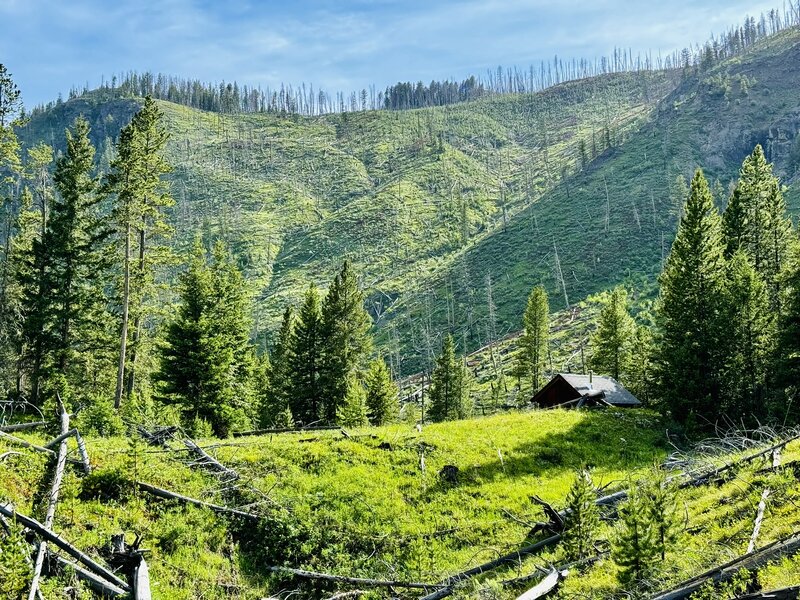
(691,317)
(449,391)
(277,393)
(346,339)
(382,394)
(305,361)
(137,182)
(612,341)
(534,341)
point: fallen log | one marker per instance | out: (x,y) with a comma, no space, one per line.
(5,455)
(169,495)
(544,587)
(26,444)
(353,580)
(141,581)
(97,583)
(762,505)
(790,593)
(87,467)
(64,435)
(22,426)
(725,572)
(55,488)
(209,462)
(284,430)
(448,585)
(50,536)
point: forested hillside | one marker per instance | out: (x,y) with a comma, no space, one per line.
(573,187)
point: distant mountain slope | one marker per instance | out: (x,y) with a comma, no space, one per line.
(428,203)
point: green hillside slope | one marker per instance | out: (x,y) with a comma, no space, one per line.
(373,504)
(433,204)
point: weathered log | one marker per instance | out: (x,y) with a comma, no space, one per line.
(23,426)
(97,583)
(87,466)
(556,519)
(284,430)
(25,444)
(50,536)
(447,586)
(790,593)
(353,580)
(544,587)
(141,581)
(169,495)
(64,435)
(5,455)
(208,461)
(55,488)
(725,572)
(762,505)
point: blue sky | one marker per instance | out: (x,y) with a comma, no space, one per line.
(50,45)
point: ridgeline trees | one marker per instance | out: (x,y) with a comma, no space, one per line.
(534,341)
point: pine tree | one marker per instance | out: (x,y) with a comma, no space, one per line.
(750,339)
(663,513)
(640,378)
(207,359)
(382,394)
(276,392)
(690,350)
(75,333)
(353,409)
(136,181)
(635,548)
(305,360)
(449,390)
(755,221)
(788,337)
(346,339)
(535,337)
(612,340)
(582,519)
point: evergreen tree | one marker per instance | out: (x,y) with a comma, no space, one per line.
(691,316)
(353,409)
(663,513)
(755,221)
(534,342)
(612,340)
(75,322)
(136,181)
(305,360)
(207,359)
(788,340)
(449,390)
(750,339)
(635,548)
(582,519)
(382,394)
(640,378)
(346,339)
(277,388)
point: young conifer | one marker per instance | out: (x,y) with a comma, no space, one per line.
(583,517)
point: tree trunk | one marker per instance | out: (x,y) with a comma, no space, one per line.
(123,338)
(137,321)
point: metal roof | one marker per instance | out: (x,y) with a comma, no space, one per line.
(611,388)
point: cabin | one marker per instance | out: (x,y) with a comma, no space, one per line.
(570,390)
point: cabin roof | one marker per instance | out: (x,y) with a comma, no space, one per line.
(613,391)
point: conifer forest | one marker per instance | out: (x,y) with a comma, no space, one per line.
(529,333)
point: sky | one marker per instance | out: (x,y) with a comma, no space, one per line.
(50,46)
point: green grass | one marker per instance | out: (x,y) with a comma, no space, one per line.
(362,506)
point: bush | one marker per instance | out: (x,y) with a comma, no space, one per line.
(100,418)
(105,484)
